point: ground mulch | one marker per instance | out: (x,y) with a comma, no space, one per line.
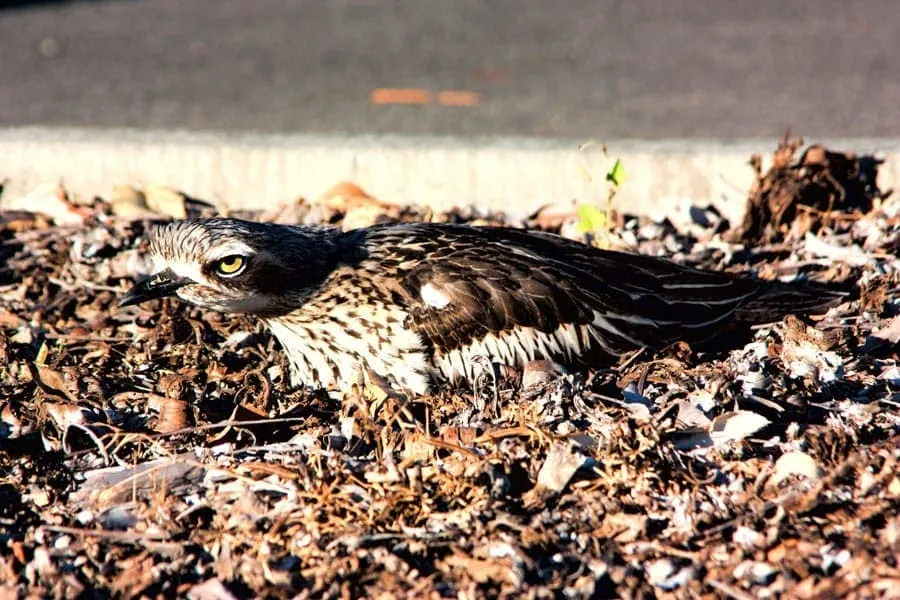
(157,451)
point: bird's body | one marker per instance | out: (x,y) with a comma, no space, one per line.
(416,302)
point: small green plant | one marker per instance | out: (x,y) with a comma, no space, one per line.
(593,221)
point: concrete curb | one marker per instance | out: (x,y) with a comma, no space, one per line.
(513,174)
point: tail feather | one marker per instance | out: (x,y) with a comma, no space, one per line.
(776,300)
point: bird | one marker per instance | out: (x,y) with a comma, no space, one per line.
(421,304)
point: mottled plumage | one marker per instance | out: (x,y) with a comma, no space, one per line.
(415,302)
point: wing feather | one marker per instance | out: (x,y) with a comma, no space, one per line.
(499,279)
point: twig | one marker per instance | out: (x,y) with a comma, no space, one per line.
(438,443)
(728,590)
(84,283)
(505,432)
(122,536)
(91,435)
(630,359)
(208,426)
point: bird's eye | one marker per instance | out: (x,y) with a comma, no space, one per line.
(230,266)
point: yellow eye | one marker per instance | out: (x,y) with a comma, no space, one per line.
(230,265)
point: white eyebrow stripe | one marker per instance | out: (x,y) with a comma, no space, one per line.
(187,270)
(228,249)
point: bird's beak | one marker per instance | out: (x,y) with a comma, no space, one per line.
(157,285)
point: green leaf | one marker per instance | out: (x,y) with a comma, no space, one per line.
(616,174)
(591,219)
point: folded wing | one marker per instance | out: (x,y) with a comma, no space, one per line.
(552,297)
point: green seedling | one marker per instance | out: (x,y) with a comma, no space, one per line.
(593,221)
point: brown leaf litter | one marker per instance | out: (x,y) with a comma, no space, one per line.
(157,451)
(796,197)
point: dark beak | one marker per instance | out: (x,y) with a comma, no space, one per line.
(158,285)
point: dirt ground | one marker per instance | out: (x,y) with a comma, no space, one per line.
(157,451)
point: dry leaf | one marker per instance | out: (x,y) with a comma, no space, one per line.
(416,447)
(174,415)
(346,195)
(551,217)
(795,463)
(483,571)
(129,202)
(852,255)
(562,461)
(53,381)
(538,373)
(890,332)
(51,199)
(735,426)
(166,201)
(211,589)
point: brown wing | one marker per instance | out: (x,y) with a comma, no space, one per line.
(497,279)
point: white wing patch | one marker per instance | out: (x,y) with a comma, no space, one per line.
(434,297)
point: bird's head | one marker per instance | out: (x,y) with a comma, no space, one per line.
(236,266)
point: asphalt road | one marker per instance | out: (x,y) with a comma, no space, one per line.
(600,69)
